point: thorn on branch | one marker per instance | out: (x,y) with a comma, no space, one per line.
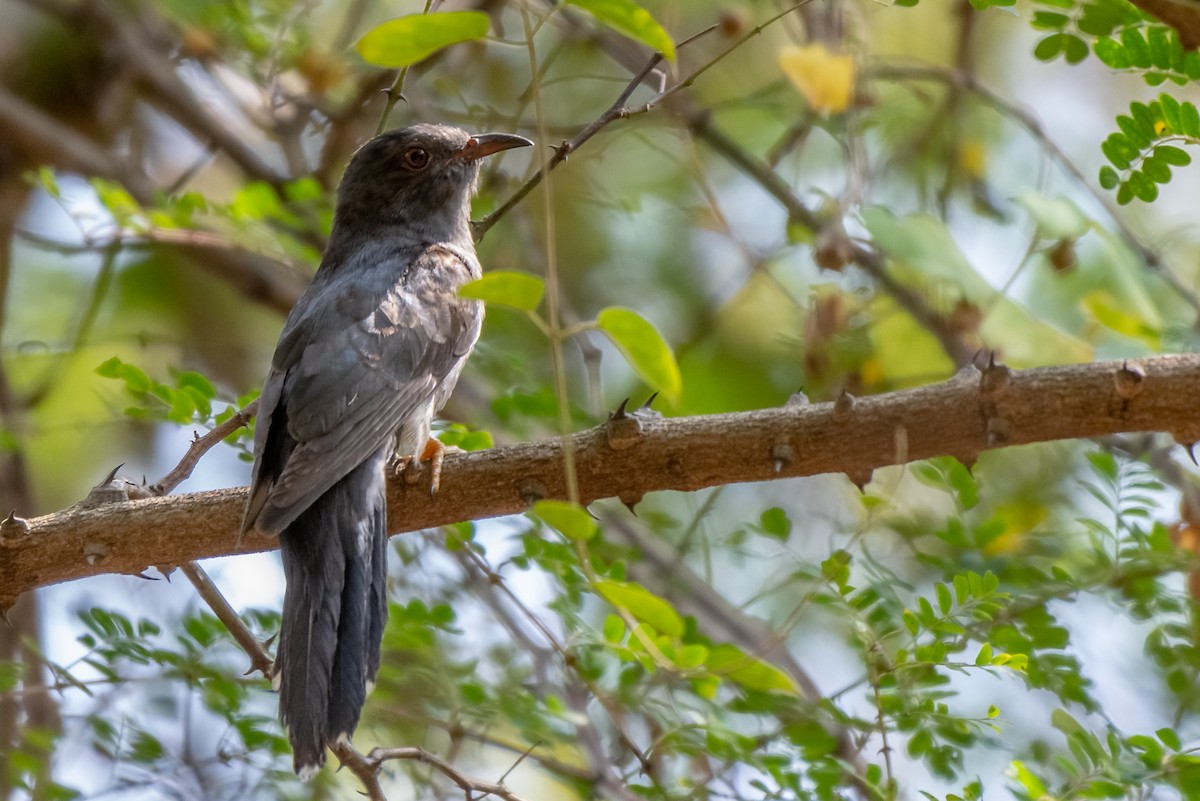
(13,527)
(624,429)
(845,403)
(995,376)
(999,432)
(533,491)
(782,455)
(114,489)
(95,552)
(1129,381)
(861,478)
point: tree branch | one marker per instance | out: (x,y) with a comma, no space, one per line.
(634,454)
(366,768)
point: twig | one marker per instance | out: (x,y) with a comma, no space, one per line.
(367,768)
(40,136)
(495,583)
(202,445)
(1030,123)
(170,92)
(262,279)
(259,659)
(618,110)
(664,573)
(395,92)
(868,259)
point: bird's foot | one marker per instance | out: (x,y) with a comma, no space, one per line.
(409,467)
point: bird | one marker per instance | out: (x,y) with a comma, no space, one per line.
(368,355)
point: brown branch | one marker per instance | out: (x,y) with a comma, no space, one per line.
(1181,15)
(202,445)
(260,660)
(871,262)
(257,277)
(156,74)
(44,139)
(367,767)
(630,456)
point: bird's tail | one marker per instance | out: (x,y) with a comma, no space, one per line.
(334,610)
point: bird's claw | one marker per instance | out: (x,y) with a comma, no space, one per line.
(409,467)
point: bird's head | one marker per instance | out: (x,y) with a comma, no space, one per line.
(422,176)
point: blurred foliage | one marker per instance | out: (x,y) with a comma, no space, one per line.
(1023,626)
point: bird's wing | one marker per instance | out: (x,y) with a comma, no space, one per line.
(352,367)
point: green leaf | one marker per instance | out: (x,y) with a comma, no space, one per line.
(1111,54)
(520,291)
(1174,156)
(1118,150)
(1136,47)
(643,605)
(1169,738)
(646,350)
(1049,20)
(1109,178)
(629,18)
(1144,189)
(1189,119)
(775,523)
(190,379)
(1057,217)
(406,40)
(1075,49)
(1050,47)
(962,588)
(136,380)
(1137,132)
(749,671)
(691,656)
(1161,51)
(569,518)
(1034,787)
(1062,720)
(1157,170)
(944,599)
(1170,109)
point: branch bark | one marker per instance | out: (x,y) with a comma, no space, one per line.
(630,455)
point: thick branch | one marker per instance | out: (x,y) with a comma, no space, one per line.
(627,457)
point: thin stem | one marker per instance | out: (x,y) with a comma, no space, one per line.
(552,287)
(395,92)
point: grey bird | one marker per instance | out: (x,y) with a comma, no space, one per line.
(367,357)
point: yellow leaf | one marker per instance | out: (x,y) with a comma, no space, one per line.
(825,79)
(972,157)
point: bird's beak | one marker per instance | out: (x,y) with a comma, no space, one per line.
(481,145)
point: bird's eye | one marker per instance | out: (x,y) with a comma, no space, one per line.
(416,158)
